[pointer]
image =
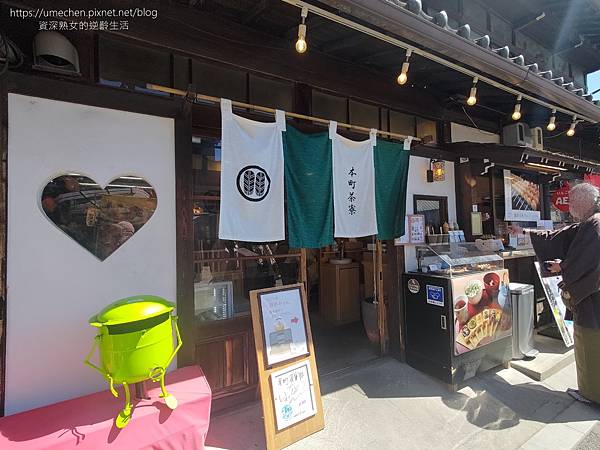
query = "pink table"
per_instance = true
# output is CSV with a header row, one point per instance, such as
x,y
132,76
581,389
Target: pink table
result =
x,y
87,423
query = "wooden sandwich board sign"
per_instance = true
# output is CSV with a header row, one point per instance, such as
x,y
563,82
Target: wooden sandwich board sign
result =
x,y
287,371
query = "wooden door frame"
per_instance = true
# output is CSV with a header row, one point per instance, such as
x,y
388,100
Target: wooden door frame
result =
x,y
396,323
60,89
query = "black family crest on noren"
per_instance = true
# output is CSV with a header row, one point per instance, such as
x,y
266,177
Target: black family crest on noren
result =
x,y
253,183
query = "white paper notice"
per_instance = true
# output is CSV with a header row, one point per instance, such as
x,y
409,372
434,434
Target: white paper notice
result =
x,y
293,394
283,325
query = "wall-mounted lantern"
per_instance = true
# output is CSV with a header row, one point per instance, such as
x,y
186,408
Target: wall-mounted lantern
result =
x,y
437,171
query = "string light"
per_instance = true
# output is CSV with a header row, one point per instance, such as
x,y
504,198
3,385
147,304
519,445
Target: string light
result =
x,y
301,45
472,99
403,77
552,123
571,131
516,115
473,93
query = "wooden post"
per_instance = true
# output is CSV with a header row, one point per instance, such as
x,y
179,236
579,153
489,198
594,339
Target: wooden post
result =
x,y
303,272
382,310
395,302
185,235
3,235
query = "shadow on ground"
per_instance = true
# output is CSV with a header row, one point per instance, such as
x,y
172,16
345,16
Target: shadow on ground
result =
x,y
402,401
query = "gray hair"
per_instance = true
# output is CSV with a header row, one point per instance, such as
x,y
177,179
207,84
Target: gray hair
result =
x,y
584,198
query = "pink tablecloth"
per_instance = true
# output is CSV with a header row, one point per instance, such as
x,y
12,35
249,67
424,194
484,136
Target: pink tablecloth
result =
x,y
87,423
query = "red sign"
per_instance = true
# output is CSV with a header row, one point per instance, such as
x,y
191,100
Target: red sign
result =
x,y
560,198
592,179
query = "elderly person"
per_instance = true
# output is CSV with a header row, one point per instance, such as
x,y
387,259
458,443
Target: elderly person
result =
x,y
574,251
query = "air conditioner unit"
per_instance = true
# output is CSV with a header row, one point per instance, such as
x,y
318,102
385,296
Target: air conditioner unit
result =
x,y
517,135
537,137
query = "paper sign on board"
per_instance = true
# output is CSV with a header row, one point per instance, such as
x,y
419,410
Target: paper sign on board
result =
x,y
293,394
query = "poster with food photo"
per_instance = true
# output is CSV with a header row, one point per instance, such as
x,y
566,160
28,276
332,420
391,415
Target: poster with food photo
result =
x,y
521,198
482,310
284,325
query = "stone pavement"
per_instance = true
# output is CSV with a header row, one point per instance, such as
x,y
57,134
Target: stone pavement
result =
x,y
386,404
591,441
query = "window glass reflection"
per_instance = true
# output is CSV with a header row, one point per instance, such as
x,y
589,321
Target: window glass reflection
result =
x,y
99,219
226,271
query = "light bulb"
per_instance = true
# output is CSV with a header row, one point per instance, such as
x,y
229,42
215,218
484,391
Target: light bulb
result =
x,y
473,93
301,45
571,131
402,78
552,122
516,115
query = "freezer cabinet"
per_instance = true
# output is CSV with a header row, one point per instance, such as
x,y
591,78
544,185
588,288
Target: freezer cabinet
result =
x,y
457,327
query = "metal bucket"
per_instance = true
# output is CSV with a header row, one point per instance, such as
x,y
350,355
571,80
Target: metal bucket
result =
x,y
135,339
132,352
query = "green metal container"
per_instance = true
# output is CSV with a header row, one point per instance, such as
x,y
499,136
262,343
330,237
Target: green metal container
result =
x,y
135,339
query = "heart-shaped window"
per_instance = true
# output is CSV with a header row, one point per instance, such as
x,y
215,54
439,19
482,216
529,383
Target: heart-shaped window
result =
x,y
100,219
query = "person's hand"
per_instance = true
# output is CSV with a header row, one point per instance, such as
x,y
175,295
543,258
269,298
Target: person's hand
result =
x,y
554,266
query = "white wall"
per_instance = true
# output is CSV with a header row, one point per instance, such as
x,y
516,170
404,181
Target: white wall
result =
x,y
54,284
417,184
461,133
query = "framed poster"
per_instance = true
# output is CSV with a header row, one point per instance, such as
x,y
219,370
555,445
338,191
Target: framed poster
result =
x,y
550,284
293,394
482,310
284,328
416,228
521,198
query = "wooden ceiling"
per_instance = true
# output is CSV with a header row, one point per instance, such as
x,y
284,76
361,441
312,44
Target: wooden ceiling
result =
x,y
570,28
448,86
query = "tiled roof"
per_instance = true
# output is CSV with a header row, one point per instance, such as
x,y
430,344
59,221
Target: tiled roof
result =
x,y
441,19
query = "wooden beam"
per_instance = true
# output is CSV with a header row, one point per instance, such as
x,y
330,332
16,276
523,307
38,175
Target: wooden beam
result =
x,y
312,23
528,20
403,24
252,14
340,44
374,56
216,38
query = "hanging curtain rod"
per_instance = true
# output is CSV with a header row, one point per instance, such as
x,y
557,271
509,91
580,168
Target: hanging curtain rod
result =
x,y
217,100
425,54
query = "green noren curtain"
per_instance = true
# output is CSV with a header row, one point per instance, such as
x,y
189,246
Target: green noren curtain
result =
x,y
309,191
391,175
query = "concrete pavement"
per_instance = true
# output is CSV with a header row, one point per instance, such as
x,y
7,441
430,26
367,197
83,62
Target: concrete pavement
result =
x,y
591,441
388,405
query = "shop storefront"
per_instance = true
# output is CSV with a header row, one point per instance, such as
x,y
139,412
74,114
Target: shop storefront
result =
x,y
158,93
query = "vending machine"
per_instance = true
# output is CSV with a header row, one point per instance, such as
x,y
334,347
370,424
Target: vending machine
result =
x,y
458,312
